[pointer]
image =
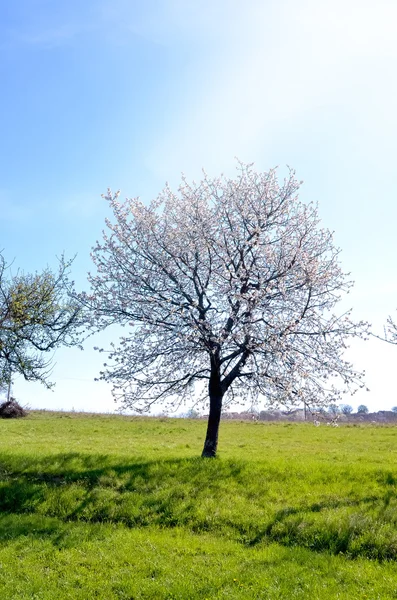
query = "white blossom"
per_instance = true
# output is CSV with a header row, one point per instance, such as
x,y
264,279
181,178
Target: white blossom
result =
x,y
228,282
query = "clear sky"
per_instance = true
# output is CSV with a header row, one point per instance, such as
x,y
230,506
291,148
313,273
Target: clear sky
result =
x,y
128,94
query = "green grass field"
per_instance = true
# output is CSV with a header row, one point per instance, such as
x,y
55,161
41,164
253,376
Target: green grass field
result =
x,y
116,507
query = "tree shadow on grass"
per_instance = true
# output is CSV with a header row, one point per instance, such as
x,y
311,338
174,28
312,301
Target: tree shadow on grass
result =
x,y
97,488
40,495
61,534
89,470
56,490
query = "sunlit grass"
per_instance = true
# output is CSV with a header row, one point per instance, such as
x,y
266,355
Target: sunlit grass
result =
x,y
123,507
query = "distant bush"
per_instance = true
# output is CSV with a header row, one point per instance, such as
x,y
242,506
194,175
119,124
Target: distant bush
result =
x,y
192,414
362,410
11,409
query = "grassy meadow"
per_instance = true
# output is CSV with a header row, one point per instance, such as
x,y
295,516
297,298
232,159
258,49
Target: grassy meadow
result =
x,y
111,507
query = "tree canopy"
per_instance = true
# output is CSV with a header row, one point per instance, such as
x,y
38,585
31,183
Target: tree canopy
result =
x,y
37,314
227,285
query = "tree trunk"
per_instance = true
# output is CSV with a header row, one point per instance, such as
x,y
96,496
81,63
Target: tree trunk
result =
x,y
216,395
211,439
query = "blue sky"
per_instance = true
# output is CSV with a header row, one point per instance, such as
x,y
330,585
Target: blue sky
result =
x,y
129,94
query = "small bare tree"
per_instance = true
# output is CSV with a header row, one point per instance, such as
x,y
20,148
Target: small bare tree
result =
x,y
228,282
391,331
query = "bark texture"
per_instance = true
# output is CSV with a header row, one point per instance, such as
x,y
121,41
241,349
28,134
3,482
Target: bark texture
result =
x,y
211,438
216,396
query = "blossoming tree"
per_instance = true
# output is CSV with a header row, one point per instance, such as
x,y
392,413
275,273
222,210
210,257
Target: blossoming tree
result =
x,y
228,288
